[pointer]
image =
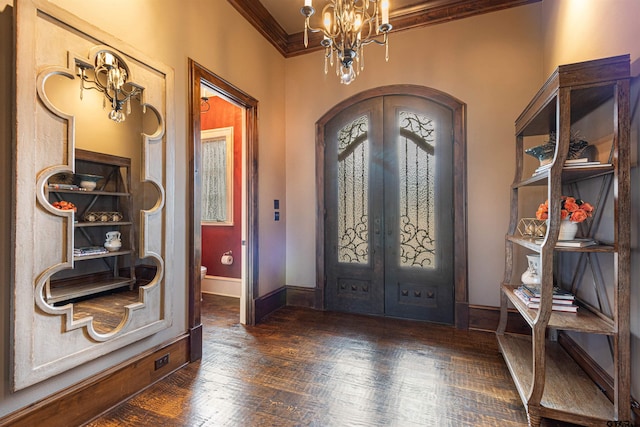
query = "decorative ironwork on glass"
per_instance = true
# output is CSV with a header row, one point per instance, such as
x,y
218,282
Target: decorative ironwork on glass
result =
x,y
353,192
416,155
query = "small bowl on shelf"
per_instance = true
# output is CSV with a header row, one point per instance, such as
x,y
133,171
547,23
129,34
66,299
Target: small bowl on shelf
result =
x,y
88,181
544,153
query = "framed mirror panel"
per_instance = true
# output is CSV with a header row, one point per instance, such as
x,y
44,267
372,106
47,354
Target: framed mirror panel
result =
x,y
92,220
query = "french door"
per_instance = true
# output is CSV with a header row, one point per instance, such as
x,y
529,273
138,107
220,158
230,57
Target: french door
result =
x,y
388,189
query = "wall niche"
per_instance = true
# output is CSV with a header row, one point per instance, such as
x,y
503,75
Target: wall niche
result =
x,y
88,110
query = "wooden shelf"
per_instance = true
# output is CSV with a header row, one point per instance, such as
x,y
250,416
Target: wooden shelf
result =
x,y
539,117
101,224
549,381
569,175
70,289
569,394
104,255
583,321
90,193
113,269
530,243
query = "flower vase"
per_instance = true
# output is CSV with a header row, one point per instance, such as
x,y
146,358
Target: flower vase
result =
x,y
531,276
568,230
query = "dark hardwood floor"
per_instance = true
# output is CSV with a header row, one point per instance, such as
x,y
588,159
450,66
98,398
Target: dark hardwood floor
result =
x,y
107,309
309,368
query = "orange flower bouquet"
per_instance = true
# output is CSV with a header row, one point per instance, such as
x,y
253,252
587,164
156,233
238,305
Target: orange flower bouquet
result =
x,y
572,209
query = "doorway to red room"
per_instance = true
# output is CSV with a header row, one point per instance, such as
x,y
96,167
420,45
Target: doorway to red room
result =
x,y
223,131
221,177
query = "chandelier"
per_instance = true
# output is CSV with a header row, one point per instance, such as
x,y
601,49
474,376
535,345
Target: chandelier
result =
x,y
349,25
110,75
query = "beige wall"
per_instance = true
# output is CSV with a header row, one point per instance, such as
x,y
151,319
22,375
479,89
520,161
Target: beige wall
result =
x,y
579,30
491,62
216,36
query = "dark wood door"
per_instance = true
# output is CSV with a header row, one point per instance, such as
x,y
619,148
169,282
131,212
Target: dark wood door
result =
x,y
389,209
418,209
354,200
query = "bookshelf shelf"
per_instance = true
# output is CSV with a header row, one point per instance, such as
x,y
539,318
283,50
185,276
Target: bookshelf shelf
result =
x,y
545,366
96,272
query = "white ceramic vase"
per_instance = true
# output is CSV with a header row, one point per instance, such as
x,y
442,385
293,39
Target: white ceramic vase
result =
x,y
113,242
568,230
531,276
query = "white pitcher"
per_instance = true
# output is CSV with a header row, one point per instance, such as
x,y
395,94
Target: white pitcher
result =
x,y
113,242
532,275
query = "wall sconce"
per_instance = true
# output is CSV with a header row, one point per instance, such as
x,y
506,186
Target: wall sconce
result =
x,y
110,75
204,104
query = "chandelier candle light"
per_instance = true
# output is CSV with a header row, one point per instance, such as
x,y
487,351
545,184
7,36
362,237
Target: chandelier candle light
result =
x,y
349,25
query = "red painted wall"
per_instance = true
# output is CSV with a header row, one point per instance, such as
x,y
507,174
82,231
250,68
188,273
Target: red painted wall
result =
x,y
216,240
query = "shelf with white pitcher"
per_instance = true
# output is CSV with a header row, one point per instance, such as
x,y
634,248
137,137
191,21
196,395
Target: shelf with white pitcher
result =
x,y
104,234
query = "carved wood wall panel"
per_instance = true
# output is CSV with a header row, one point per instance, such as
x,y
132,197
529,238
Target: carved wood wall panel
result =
x,y
47,338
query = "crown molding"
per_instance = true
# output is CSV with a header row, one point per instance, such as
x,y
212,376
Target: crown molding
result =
x,y
258,16
418,15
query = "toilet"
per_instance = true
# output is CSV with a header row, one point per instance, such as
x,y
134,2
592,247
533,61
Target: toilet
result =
x,y
203,273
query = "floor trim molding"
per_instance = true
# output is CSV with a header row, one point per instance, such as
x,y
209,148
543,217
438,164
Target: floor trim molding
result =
x,y
478,317
270,302
300,296
78,404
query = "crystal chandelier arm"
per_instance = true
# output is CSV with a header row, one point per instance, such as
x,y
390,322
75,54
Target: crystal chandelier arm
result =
x,y
86,83
345,33
385,38
109,93
338,25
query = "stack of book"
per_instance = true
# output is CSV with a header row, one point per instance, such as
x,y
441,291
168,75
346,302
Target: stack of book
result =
x,y
575,243
573,164
65,187
562,300
89,250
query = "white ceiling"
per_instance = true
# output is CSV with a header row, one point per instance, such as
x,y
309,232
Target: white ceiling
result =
x,y
287,12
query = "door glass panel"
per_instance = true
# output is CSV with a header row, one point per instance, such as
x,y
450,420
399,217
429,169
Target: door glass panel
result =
x,y
353,190
417,166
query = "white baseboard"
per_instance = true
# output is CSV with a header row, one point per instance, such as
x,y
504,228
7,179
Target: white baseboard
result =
x,y
225,286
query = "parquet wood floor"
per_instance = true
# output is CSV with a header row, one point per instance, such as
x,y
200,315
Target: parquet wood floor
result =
x,y
309,368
